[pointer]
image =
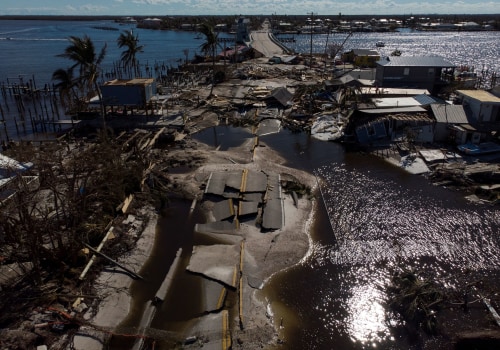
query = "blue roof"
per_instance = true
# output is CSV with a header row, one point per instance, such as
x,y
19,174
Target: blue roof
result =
x,y
424,99
415,61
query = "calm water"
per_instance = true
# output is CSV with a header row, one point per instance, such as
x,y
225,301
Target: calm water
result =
x,y
30,48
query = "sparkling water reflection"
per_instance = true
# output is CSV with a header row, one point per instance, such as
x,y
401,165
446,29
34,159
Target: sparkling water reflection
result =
x,y
375,219
474,49
379,224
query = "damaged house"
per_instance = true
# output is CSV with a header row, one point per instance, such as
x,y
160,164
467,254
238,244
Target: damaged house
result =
x,y
484,107
362,57
476,119
452,125
391,124
422,72
128,93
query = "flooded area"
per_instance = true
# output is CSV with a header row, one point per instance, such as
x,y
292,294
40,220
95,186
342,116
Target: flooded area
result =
x,y
372,218
174,231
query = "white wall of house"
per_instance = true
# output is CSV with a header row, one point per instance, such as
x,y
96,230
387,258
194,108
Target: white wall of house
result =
x,y
484,112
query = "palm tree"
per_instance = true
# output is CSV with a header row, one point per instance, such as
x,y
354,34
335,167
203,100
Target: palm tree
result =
x,y
66,84
209,46
82,52
416,299
130,41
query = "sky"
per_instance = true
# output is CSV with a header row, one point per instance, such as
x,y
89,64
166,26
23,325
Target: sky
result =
x,y
245,7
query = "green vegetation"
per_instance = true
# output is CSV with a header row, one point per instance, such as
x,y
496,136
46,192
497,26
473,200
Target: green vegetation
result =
x,y
130,41
82,53
209,46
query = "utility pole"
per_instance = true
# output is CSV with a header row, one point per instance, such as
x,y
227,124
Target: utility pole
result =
x,y
311,41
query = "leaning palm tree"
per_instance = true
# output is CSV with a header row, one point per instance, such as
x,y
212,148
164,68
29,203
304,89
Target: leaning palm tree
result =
x,y
209,46
82,52
130,41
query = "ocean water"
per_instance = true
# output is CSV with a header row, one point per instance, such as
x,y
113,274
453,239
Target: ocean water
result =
x,y
480,50
30,47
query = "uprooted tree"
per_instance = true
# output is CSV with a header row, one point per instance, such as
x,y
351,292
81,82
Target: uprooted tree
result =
x,y
416,300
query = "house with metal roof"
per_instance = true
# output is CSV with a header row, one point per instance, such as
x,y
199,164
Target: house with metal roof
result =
x,y
484,106
452,124
362,57
420,72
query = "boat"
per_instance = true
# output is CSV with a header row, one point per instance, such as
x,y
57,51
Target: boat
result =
x,y
478,149
105,28
380,44
466,78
